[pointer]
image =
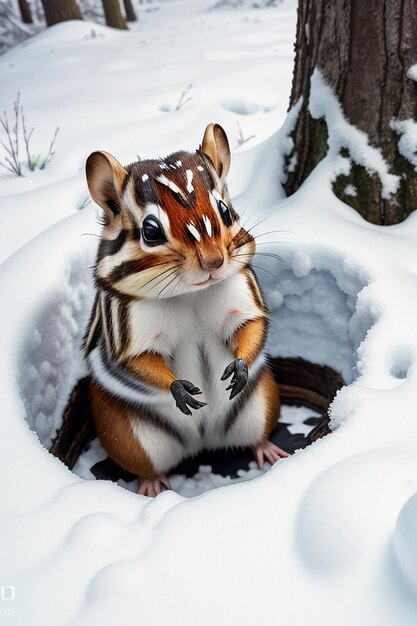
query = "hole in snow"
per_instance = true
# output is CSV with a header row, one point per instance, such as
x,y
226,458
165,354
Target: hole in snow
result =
x,y
402,362
241,106
314,315
166,108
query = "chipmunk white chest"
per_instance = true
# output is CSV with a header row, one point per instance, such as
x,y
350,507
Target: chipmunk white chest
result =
x,y
193,332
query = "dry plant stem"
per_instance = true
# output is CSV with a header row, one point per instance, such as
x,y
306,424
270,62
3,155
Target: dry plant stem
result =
x,y
50,154
13,163
182,100
241,139
27,137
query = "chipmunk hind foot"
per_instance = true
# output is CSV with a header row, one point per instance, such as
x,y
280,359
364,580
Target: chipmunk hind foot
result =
x,y
153,486
269,451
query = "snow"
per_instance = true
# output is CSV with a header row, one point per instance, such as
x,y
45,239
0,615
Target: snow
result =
x,y
405,544
286,141
326,536
350,190
324,104
407,144
412,72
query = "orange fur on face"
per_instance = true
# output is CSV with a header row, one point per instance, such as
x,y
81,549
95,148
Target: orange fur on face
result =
x,y
180,216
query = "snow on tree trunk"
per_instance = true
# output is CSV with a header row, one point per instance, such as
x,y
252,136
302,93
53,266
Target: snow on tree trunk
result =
x,y
113,14
60,11
364,51
130,11
25,12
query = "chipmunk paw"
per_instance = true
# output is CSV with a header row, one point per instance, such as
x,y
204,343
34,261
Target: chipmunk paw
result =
x,y
153,486
269,451
238,369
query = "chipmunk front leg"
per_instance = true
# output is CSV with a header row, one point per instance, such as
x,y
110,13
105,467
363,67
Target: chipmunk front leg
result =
x,y
249,340
152,369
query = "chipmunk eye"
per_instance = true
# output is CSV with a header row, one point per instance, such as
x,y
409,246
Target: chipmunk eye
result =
x,y
225,213
152,232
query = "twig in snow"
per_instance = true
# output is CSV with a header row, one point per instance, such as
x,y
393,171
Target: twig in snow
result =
x,y
182,99
84,203
241,140
26,137
12,149
50,154
12,159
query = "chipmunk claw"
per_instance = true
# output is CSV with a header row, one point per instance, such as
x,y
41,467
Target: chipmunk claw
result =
x,y
238,369
181,390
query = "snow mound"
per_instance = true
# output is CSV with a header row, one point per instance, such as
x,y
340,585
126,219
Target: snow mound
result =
x,y
345,511
405,540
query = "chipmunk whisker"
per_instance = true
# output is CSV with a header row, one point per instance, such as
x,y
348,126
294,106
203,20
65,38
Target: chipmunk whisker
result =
x,y
168,271
259,267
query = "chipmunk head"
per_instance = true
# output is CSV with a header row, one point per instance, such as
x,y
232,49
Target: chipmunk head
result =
x,y
169,225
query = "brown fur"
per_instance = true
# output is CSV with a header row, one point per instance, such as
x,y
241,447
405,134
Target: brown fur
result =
x,y
273,401
151,368
111,419
249,339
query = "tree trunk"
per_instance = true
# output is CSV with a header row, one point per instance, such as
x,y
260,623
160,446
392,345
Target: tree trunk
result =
x,y
60,11
364,50
113,14
25,12
130,11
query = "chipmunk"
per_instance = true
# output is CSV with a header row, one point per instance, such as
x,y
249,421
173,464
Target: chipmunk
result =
x,y
177,310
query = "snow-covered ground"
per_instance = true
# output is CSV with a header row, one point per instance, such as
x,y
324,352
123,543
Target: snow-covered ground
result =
x,y
325,537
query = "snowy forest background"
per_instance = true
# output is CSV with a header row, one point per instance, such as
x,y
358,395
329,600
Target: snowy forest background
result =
x,y
20,19
324,161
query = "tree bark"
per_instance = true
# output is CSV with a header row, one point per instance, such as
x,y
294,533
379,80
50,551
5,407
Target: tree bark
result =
x,y
113,14
60,11
364,50
25,12
130,11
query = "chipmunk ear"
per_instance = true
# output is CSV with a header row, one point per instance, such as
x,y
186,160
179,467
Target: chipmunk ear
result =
x,y
105,178
216,146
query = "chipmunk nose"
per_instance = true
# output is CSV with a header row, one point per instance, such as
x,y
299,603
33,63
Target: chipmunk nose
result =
x,y
210,259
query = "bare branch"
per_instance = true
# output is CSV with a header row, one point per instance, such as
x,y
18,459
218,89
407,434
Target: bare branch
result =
x,y
13,148
7,168
27,137
182,100
11,143
50,153
241,140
